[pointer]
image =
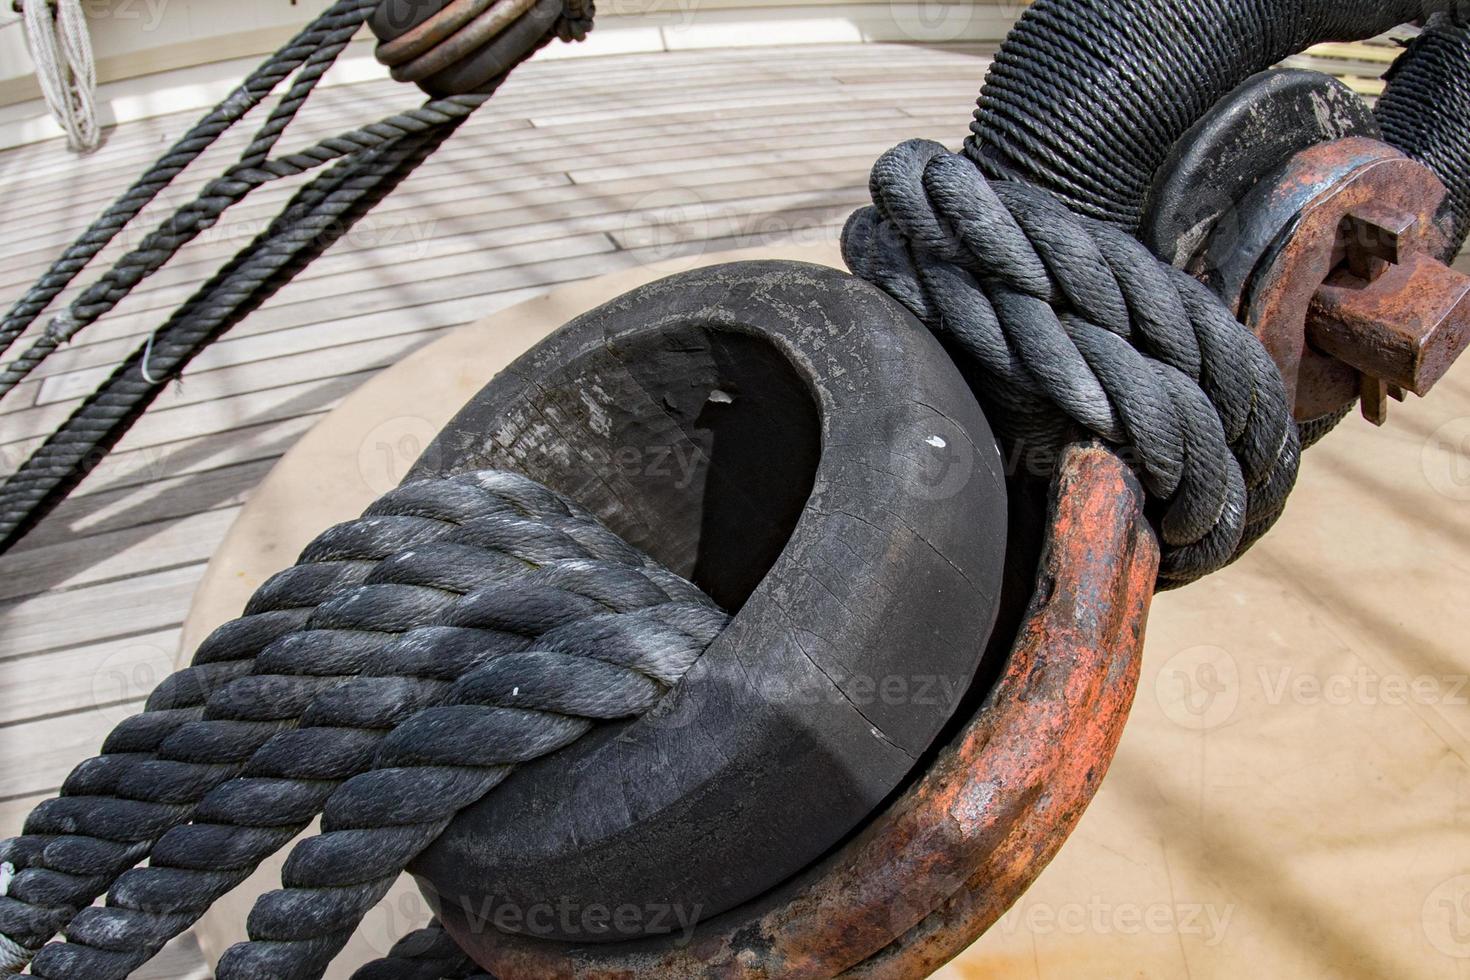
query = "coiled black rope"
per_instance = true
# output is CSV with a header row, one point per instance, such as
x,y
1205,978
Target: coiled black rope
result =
x,y
1425,111
1087,97
76,843
507,620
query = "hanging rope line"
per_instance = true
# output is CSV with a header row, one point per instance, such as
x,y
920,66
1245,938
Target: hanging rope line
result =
x,y
372,160
321,41
56,35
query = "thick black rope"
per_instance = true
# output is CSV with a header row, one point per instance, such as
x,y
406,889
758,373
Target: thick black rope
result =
x,y
377,158
76,844
1064,319
201,214
529,598
315,47
1425,111
319,214
1018,253
1087,97
516,708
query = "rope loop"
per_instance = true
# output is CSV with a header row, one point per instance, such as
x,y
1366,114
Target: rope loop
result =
x,y
1066,319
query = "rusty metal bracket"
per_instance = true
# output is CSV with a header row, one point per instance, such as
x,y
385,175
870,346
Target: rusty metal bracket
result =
x,y
1336,264
944,862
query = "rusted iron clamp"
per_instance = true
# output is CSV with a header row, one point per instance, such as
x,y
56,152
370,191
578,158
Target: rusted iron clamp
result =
x,y
467,46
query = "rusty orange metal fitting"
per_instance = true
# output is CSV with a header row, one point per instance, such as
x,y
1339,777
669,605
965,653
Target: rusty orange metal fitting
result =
x,y
933,871
1347,286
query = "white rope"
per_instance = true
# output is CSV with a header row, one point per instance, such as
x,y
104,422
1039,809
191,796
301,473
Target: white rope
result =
x,y
56,32
13,956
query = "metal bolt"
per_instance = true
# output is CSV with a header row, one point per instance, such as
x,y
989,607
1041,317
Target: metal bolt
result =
x,y
1396,314
1373,237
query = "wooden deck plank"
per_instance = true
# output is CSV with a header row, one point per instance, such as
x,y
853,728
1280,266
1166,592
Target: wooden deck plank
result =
x,y
37,755
114,555
527,161
58,620
567,210
99,675
120,508
668,85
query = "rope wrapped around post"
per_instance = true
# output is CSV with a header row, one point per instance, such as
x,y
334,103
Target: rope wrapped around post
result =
x,y
1018,252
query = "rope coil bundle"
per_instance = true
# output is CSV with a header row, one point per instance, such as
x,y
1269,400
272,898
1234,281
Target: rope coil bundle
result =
x,y
1019,252
56,34
1072,319
391,678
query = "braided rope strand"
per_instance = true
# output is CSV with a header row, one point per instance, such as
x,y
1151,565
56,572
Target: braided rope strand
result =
x,y
77,843
328,32
322,697
1068,320
320,213
204,211
429,953
362,680
516,708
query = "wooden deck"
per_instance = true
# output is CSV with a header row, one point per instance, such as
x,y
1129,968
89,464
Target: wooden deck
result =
x,y
578,167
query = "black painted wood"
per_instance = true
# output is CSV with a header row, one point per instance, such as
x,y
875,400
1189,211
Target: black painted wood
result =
x,y
791,439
